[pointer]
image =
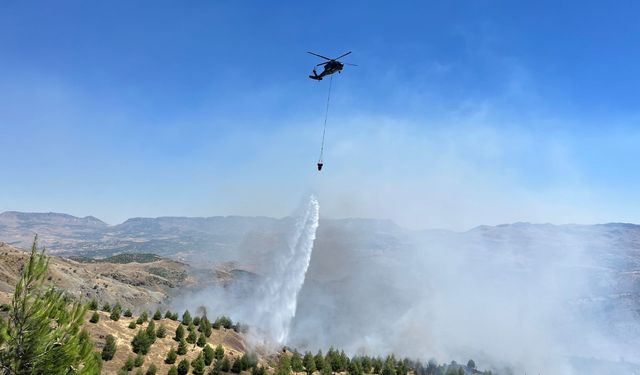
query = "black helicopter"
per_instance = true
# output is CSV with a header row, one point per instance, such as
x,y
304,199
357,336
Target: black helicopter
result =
x,y
330,66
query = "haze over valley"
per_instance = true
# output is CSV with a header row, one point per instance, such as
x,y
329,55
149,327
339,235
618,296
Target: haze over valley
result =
x,y
566,294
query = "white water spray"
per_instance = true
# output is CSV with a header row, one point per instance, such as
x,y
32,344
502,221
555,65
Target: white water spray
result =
x,y
280,290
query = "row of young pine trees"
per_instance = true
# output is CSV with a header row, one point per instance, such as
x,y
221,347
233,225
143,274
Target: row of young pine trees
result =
x,y
41,332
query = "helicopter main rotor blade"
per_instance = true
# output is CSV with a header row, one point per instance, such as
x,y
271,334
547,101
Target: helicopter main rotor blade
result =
x,y
342,55
350,64
324,63
315,54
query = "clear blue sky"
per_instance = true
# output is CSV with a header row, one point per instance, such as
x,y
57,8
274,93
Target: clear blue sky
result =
x,y
459,113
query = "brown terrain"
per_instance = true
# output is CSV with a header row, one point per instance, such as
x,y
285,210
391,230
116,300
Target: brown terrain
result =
x,y
232,342
138,286
135,285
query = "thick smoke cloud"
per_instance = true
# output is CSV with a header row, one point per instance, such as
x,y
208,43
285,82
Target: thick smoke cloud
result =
x,y
515,298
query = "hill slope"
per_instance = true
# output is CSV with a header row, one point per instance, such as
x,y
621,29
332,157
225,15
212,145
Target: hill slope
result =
x,y
133,284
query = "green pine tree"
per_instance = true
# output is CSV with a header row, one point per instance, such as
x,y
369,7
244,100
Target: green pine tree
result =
x,y
141,342
138,361
173,371
127,313
319,358
225,366
284,367
198,365
93,305
208,354
219,352
186,318
129,363
28,345
296,362
161,332
179,333
309,363
116,311
151,331
151,370
182,347
183,367
95,317
171,356
132,325
157,315
191,337
202,340
109,349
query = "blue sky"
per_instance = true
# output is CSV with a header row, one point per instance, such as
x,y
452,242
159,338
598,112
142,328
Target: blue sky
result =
x,y
460,112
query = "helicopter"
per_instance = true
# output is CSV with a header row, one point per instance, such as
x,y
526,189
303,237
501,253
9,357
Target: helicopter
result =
x,y
330,66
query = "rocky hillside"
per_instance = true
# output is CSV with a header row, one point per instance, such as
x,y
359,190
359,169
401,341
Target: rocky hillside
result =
x,y
133,284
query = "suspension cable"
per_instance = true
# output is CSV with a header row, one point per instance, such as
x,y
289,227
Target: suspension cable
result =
x,y
326,115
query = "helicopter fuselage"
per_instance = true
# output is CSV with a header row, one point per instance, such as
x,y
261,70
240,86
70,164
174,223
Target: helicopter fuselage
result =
x,y
329,68
332,67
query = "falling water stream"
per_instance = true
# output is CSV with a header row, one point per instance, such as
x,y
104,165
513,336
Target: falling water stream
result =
x,y
280,290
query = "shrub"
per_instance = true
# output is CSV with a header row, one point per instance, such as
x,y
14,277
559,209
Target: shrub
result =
x,y
236,367
284,367
182,347
109,349
174,317
309,363
106,307
151,331
225,366
127,313
198,365
219,352
179,333
171,356
319,358
186,318
151,370
93,305
157,315
173,371
183,367
196,321
143,317
202,341
128,365
115,312
191,337
141,342
132,325
208,354
296,363
205,326
138,361
167,315
222,321
161,332
95,317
